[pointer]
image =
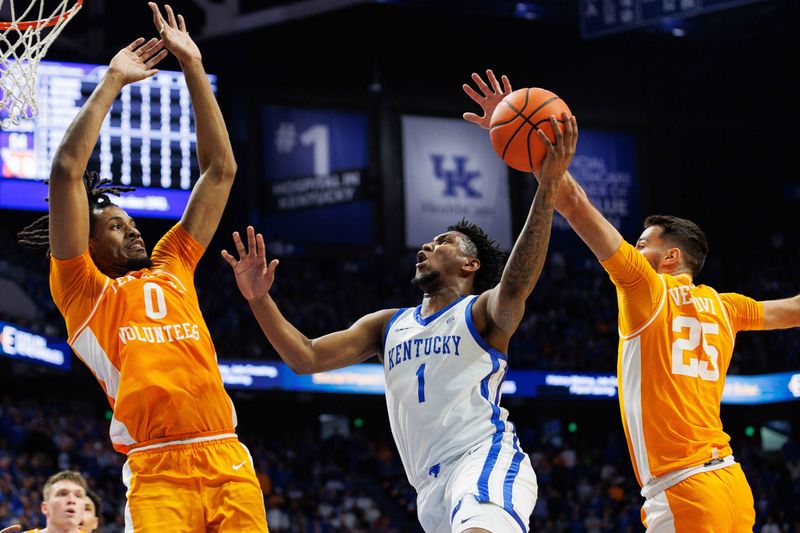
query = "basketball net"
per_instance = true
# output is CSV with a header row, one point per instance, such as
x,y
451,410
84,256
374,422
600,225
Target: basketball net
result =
x,y
24,40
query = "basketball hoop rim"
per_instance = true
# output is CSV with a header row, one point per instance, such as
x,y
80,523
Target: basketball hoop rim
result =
x,y
44,23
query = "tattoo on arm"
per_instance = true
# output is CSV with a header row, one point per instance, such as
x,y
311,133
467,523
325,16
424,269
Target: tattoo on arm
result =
x,y
527,258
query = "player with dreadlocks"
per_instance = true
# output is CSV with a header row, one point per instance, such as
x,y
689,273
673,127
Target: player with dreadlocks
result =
x,y
444,361
134,319
37,234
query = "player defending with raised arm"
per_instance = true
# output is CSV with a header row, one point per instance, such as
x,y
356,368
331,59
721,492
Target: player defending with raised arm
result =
x,y
676,342
444,362
135,321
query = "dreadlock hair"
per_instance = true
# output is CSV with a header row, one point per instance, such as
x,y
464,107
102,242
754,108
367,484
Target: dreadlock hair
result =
x,y
486,250
686,235
37,234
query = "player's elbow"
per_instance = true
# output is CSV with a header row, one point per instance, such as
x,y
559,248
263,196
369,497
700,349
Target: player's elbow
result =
x,y
65,168
302,367
302,370
222,169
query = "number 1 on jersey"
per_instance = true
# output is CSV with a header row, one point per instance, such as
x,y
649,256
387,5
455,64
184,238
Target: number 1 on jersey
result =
x,y
421,382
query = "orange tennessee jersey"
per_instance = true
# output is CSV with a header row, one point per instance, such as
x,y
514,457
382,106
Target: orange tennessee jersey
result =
x,y
676,342
144,338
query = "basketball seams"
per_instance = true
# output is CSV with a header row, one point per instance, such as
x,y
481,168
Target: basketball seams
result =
x,y
505,133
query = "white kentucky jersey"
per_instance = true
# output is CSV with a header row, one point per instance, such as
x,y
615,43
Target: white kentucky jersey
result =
x,y
443,385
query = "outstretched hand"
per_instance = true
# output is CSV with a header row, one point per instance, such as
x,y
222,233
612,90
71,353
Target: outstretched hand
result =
x,y
253,276
558,156
173,32
491,97
135,62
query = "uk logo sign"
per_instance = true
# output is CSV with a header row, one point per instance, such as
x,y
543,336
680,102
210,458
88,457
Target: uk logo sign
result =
x,y
455,176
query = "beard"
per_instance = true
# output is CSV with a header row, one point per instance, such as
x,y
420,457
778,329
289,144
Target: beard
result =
x,y
427,282
138,263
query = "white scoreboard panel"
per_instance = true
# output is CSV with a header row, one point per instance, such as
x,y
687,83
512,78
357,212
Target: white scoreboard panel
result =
x,y
147,140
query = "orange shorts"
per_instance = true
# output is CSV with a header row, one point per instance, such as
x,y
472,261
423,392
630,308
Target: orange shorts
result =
x,y
719,501
193,487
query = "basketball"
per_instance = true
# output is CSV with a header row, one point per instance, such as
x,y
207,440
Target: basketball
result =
x,y
514,124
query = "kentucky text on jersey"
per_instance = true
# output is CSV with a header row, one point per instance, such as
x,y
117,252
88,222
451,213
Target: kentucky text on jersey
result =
x,y
414,348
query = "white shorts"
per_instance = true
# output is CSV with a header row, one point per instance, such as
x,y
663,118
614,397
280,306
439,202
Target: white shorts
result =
x,y
492,487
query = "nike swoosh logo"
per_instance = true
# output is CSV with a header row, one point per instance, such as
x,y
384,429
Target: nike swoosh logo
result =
x,y
237,467
468,519
403,329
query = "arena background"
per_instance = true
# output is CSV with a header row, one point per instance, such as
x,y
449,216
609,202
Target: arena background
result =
x,y
709,102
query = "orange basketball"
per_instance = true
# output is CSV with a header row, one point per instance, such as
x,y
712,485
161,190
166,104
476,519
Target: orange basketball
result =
x,y
515,121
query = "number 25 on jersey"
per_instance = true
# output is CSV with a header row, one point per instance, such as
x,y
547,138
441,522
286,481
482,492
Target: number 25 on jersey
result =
x,y
687,364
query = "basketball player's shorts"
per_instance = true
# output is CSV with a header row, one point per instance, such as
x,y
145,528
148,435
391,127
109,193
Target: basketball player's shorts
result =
x,y
195,485
719,501
491,487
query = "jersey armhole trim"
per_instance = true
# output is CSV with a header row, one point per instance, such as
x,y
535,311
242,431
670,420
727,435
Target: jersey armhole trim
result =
x,y
477,336
652,317
724,314
389,325
78,331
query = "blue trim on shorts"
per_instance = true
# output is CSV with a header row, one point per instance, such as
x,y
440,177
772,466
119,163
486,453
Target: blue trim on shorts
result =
x,y
497,438
455,510
508,485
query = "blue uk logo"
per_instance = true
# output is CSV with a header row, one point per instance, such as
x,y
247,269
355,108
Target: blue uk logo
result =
x,y
455,178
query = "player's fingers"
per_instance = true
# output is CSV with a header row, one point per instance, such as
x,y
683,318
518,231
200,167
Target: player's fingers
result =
x,y
568,133
480,83
135,44
506,84
146,47
272,267
158,20
493,80
151,48
574,121
472,117
474,95
170,16
260,248
547,144
251,239
237,241
181,23
557,133
228,258
156,59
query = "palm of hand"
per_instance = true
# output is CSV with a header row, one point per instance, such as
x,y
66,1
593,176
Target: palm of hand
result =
x,y
488,106
130,64
252,277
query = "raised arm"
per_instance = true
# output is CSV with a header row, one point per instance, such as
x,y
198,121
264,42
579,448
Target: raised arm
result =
x,y
214,151
69,205
599,234
504,305
254,277
782,314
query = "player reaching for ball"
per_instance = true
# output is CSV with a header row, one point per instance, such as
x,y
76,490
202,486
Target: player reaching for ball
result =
x,y
444,361
135,321
676,342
